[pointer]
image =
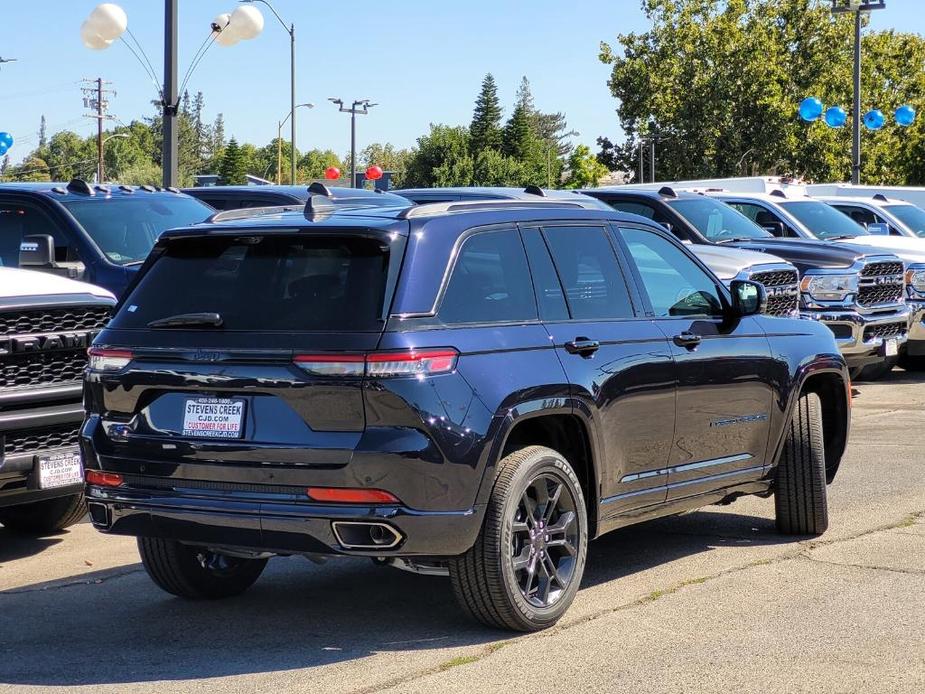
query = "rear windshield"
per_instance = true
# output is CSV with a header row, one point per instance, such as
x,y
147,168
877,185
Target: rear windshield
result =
x,y
126,228
265,283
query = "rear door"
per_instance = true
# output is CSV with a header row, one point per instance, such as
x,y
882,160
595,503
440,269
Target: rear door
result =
x,y
618,362
725,370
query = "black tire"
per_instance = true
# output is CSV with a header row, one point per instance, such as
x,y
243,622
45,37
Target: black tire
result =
x,y
195,572
48,516
874,372
912,363
800,501
487,581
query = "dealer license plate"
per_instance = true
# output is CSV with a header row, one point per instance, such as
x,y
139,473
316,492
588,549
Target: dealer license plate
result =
x,y
60,469
890,348
213,418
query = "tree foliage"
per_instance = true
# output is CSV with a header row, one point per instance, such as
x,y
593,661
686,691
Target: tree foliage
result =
x,y
719,81
584,170
234,165
485,129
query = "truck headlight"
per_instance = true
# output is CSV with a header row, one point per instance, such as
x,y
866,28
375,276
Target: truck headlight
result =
x,y
915,278
829,287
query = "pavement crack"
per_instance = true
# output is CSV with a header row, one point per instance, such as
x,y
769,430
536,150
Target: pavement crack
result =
x,y
869,567
70,584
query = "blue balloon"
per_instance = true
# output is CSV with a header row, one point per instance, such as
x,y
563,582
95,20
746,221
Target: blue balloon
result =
x,y
874,120
810,109
835,117
905,116
6,139
3,148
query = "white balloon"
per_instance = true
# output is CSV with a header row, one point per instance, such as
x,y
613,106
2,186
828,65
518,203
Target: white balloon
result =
x,y
221,21
226,38
91,39
109,20
247,21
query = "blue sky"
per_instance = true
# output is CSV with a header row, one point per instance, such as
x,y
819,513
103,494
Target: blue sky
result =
x,y
422,60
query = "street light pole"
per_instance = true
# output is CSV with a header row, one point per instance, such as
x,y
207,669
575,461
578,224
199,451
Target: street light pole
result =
x,y
290,29
353,111
169,118
279,144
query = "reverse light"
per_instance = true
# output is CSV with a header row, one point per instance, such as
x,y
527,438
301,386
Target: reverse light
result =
x,y
424,362
350,495
829,287
108,360
99,478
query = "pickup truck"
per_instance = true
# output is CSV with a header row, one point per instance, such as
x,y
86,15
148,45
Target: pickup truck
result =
x,y
46,325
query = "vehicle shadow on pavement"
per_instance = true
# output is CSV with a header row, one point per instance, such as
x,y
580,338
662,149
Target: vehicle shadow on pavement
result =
x,y
299,615
15,546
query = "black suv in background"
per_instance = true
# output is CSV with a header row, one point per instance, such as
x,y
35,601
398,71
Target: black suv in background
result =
x,y
857,292
244,197
476,388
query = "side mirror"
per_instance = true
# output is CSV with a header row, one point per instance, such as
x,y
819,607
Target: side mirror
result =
x,y
776,228
748,298
878,229
37,250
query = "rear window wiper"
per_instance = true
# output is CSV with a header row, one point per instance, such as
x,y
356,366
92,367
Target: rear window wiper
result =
x,y
189,320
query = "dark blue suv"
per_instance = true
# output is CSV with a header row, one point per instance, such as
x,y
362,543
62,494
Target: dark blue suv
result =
x,y
469,388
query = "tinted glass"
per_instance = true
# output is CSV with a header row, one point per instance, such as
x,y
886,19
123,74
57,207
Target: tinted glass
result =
x,y
717,221
490,281
266,283
17,221
910,215
858,214
823,221
126,228
633,208
594,285
675,284
545,280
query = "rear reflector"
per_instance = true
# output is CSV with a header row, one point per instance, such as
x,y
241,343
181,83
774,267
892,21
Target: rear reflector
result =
x,y
424,362
108,359
104,479
346,495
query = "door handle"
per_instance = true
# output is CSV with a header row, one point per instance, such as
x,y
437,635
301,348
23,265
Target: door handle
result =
x,y
582,346
686,339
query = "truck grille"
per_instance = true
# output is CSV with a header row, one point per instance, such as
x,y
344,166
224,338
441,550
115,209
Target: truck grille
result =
x,y
54,320
783,291
881,283
30,440
41,369
888,330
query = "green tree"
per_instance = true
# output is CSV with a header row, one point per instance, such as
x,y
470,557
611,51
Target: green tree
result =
x,y
313,163
387,157
32,168
142,173
441,158
233,167
519,140
485,130
584,170
68,155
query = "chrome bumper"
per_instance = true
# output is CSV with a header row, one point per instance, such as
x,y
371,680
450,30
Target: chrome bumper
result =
x,y
853,344
916,345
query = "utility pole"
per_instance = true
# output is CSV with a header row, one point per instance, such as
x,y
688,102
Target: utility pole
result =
x,y
652,160
169,100
95,99
642,173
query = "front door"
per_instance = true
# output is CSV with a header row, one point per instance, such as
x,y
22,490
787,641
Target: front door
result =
x,y
618,362
724,370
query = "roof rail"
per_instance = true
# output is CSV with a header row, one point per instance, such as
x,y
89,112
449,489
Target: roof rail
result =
x,y
432,208
778,193
245,212
667,191
881,197
535,190
318,188
77,185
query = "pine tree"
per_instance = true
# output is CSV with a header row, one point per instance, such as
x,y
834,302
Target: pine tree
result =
x,y
233,170
519,141
43,133
485,129
5,166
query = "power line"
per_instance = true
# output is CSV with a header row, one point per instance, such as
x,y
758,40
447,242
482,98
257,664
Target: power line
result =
x,y
95,99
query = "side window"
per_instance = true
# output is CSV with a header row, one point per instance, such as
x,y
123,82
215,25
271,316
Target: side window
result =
x,y
490,281
764,218
639,208
858,214
545,280
216,202
594,285
676,286
17,221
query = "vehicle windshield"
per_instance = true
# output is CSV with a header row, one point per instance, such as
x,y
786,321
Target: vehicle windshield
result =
x,y
126,228
264,283
823,221
910,215
717,221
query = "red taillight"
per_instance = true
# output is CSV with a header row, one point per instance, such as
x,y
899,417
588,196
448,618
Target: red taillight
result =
x,y
104,479
102,359
346,495
424,362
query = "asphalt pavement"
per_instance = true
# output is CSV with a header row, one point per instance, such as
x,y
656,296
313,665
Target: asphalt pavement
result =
x,y
709,601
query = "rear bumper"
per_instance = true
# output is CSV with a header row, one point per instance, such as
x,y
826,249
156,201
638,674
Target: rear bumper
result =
x,y
856,333
284,526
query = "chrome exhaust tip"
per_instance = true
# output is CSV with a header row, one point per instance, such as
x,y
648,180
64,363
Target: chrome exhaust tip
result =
x,y
360,535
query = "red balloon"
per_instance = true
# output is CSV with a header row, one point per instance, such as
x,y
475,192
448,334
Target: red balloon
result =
x,y
332,173
374,173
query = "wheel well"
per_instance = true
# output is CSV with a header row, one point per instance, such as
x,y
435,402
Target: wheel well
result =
x,y
568,435
833,395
